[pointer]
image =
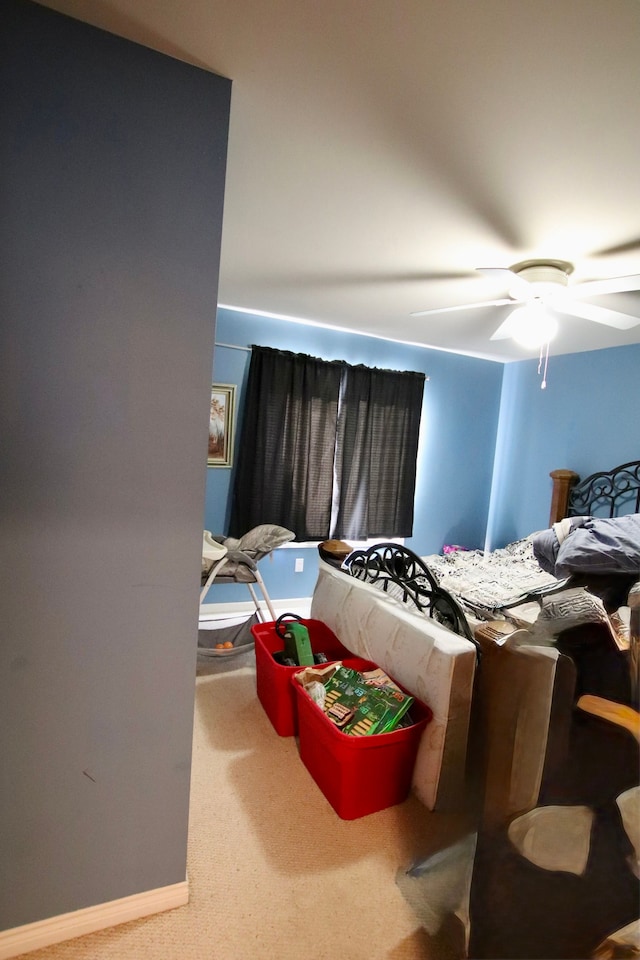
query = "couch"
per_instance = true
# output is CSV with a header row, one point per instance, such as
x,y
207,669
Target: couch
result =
x,y
499,724
432,663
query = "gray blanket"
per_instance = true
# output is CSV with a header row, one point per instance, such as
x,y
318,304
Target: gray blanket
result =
x,y
590,545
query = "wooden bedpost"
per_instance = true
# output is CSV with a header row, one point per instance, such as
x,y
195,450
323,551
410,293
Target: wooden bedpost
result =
x,y
563,480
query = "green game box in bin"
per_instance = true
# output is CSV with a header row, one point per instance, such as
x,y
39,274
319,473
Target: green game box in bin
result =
x,y
365,702
358,774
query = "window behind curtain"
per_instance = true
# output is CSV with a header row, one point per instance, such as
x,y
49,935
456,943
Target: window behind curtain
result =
x,y
327,449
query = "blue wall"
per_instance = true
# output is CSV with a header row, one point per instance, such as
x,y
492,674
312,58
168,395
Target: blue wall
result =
x,y
585,420
490,436
456,451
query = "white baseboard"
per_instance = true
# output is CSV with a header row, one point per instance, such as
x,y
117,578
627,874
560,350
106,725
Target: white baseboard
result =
x,y
300,605
66,926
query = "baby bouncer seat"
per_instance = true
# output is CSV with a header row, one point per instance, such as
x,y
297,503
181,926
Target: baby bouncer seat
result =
x,y
235,560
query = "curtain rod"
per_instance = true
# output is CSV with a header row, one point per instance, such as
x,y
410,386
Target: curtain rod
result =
x,y
232,346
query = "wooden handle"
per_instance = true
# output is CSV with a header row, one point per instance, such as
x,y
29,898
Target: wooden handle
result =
x,y
617,713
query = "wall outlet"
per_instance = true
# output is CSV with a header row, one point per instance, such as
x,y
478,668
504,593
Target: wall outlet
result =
x,y
299,567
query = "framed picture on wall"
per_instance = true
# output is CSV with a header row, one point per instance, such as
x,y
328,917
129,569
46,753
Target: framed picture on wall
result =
x,y
221,424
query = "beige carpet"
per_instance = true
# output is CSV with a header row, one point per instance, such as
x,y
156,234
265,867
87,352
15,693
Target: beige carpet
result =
x,y
273,871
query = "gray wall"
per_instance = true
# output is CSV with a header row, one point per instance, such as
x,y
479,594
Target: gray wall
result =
x,y
112,161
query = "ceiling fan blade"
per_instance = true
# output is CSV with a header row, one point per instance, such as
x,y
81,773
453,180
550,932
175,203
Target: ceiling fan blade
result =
x,y
464,306
593,288
610,318
520,287
355,278
627,246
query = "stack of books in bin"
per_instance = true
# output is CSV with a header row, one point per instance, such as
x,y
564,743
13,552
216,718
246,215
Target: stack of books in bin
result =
x,y
360,703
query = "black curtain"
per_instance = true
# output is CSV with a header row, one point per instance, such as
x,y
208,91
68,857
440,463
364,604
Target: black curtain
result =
x,y
376,451
286,450
327,449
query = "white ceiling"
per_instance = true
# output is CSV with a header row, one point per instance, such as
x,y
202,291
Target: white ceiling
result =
x,y
381,150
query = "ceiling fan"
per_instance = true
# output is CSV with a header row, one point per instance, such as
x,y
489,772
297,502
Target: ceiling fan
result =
x,y
540,288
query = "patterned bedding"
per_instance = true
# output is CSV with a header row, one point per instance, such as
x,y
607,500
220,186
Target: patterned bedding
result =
x,y
486,582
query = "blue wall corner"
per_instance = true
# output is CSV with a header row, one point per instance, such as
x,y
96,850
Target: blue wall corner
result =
x,y
585,420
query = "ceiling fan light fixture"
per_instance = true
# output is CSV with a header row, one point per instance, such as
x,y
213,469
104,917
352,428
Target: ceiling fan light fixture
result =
x,y
543,278
531,326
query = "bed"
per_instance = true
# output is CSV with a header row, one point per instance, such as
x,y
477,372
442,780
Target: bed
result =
x,y
507,583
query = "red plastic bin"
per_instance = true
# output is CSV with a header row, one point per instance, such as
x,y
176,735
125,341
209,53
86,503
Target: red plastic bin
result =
x,y
358,775
273,680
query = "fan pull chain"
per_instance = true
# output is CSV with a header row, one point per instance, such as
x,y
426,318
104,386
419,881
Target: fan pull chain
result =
x,y
544,348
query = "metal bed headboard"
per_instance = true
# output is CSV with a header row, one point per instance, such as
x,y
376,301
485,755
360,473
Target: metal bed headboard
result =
x,y
607,493
387,563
